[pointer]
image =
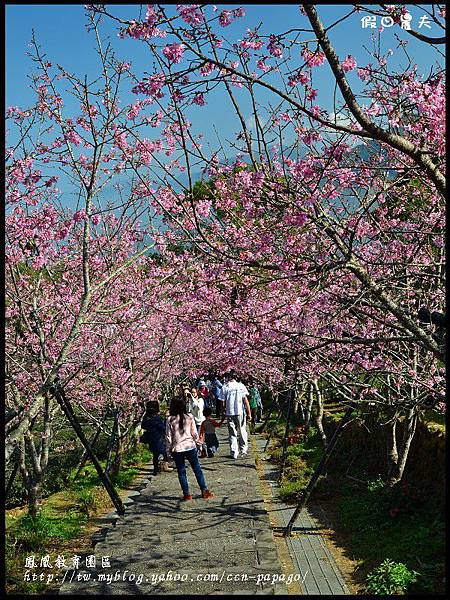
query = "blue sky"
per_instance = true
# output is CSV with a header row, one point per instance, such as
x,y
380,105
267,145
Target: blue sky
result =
x,y
61,32
60,29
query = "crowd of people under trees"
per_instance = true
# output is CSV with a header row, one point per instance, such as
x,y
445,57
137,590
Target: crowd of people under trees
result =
x,y
188,432
323,260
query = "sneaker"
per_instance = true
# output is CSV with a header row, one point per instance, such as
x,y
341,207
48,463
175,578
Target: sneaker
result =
x,y
207,494
186,498
233,457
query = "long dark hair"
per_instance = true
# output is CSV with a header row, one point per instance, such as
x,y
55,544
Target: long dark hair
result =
x,y
178,407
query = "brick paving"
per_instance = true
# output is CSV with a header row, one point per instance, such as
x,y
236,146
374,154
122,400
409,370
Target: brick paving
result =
x,y
220,546
309,553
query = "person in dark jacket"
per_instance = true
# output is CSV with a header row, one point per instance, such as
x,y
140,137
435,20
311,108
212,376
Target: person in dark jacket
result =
x,y
155,430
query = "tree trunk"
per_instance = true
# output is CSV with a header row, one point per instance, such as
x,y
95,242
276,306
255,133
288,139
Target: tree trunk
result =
x,y
319,413
85,455
35,498
391,447
280,412
308,409
31,488
112,444
299,401
319,469
118,456
273,404
290,398
34,475
68,411
14,472
133,438
408,434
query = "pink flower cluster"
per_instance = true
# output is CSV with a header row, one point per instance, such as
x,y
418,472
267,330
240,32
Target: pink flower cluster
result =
x,y
263,66
252,41
142,31
18,115
122,67
226,17
274,48
199,99
313,59
190,13
364,73
151,86
298,77
207,69
174,52
73,137
349,64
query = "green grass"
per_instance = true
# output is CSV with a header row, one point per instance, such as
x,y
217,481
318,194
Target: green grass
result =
x,y
31,533
388,524
89,478
301,460
371,521
63,516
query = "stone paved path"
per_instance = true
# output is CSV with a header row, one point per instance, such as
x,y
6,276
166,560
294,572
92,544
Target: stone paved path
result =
x,y
308,551
220,546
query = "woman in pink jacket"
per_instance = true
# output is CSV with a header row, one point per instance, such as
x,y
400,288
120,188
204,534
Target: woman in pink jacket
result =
x,y
181,442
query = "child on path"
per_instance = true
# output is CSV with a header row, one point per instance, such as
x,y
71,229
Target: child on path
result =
x,y
181,441
208,433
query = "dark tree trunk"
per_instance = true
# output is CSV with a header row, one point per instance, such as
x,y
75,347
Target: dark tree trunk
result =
x,y
68,411
269,413
290,398
85,454
34,475
14,472
35,498
118,456
112,444
319,470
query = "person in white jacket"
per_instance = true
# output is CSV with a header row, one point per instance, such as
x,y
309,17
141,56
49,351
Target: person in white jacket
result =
x,y
235,397
196,406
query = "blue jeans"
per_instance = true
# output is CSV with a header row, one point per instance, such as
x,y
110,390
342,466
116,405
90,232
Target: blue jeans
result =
x,y
192,457
212,444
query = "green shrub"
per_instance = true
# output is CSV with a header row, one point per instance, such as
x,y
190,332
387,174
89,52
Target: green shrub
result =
x,y
290,490
91,500
390,578
86,500
138,454
125,477
376,484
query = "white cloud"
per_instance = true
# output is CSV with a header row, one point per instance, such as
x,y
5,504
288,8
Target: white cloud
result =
x,y
251,122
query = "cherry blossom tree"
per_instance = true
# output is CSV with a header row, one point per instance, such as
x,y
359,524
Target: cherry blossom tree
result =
x,y
302,255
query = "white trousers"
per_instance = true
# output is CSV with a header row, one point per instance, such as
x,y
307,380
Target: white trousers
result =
x,y
237,431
